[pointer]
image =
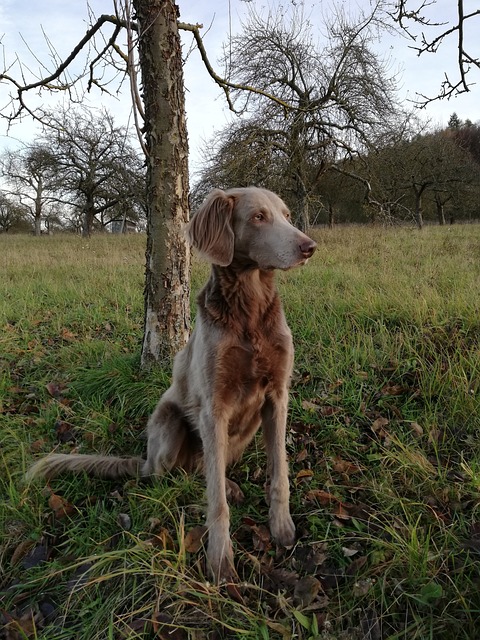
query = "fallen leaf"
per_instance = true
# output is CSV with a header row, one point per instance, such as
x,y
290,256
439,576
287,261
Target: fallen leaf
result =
x,y
306,590
309,406
194,539
60,507
21,551
379,424
416,428
394,390
321,496
344,466
348,553
303,455
304,474
261,538
362,587
124,521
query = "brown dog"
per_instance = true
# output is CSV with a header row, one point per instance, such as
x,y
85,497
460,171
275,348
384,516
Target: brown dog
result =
x,y
233,374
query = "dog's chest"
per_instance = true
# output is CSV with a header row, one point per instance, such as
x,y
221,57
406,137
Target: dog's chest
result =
x,y
250,368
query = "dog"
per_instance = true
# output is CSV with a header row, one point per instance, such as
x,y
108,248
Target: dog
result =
x,y
232,376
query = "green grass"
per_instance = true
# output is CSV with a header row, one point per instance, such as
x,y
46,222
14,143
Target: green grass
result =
x,y
383,441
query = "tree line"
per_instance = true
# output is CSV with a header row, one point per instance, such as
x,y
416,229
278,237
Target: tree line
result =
x,y
407,178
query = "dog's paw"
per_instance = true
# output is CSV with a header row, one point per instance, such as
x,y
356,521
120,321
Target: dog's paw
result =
x,y
282,529
221,566
234,494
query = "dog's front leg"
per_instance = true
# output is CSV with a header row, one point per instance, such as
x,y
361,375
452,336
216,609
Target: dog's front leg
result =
x,y
214,435
274,418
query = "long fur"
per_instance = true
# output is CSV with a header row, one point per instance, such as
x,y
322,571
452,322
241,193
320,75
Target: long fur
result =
x,y
233,375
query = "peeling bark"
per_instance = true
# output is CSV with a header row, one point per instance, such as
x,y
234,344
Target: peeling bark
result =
x,y
167,305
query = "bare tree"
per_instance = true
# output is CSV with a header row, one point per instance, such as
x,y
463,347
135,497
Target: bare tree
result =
x,y
419,20
31,180
331,101
96,168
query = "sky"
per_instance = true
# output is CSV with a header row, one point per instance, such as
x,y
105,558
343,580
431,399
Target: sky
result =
x,y
57,26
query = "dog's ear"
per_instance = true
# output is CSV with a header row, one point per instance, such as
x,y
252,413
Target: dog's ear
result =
x,y
210,229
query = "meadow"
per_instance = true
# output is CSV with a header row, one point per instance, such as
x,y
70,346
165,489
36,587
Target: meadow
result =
x,y
383,439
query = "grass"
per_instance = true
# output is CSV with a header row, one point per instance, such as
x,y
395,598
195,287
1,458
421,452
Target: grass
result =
x,y
383,443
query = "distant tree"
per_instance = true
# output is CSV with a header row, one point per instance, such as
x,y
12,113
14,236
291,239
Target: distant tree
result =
x,y
31,180
454,122
96,167
12,216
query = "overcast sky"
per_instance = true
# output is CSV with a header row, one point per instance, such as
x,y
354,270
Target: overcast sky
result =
x,y
22,21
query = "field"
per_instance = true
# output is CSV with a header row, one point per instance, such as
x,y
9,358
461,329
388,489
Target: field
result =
x,y
383,442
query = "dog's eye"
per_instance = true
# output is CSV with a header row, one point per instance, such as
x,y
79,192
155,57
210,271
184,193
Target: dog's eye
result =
x,y
287,215
258,217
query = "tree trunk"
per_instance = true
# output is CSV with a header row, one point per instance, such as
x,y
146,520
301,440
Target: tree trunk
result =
x,y
167,304
331,216
440,213
418,211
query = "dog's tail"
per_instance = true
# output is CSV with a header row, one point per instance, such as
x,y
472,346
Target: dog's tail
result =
x,y
97,466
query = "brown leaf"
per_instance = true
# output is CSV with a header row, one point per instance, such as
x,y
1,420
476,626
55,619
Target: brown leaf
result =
x,y
67,335
61,507
194,539
328,410
417,429
21,551
261,538
379,424
37,446
321,496
394,390
355,566
303,455
64,431
55,389
304,474
344,466
306,590
309,406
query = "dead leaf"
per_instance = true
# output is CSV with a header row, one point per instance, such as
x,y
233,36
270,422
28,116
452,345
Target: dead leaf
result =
x,y
61,508
329,410
304,475
417,429
321,496
65,432
394,390
348,553
309,406
345,466
40,553
303,455
261,538
21,551
379,424
355,566
67,335
37,446
124,521
306,590
194,539
362,587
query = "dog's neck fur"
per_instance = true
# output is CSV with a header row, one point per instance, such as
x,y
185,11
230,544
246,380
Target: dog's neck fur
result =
x,y
244,299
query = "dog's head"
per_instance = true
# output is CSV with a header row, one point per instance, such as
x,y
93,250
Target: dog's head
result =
x,y
248,227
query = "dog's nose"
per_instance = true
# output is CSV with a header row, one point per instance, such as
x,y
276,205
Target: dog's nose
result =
x,y
308,247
